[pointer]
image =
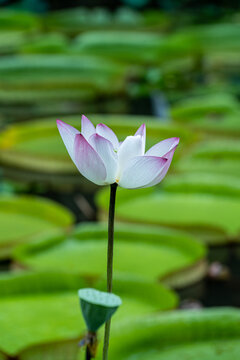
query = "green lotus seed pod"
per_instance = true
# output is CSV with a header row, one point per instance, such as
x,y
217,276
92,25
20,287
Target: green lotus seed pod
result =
x,y
97,307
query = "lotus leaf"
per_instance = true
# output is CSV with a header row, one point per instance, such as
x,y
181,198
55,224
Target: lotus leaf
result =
x,y
120,45
212,218
211,334
72,21
33,219
215,156
219,184
205,105
145,252
16,20
58,76
40,308
52,43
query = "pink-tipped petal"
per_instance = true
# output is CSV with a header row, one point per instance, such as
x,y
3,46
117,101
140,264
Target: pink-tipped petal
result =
x,y
108,134
88,161
130,148
164,171
142,132
68,134
163,147
141,171
105,150
87,128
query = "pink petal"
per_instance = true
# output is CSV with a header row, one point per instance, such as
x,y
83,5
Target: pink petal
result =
x,y
142,132
163,147
164,171
87,128
141,170
108,134
88,161
105,150
68,134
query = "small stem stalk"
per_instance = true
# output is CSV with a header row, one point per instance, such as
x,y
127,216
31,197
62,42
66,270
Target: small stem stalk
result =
x,y
110,261
88,354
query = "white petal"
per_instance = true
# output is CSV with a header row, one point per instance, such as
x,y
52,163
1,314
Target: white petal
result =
x,y
164,171
105,150
88,161
130,148
68,134
163,147
87,128
142,132
141,170
108,134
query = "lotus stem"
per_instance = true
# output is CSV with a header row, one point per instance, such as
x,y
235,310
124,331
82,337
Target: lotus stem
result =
x,y
88,353
113,189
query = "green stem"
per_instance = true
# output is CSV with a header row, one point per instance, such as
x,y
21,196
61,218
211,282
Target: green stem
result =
x,y
110,261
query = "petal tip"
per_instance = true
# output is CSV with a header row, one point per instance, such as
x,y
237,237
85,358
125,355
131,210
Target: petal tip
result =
x,y
59,122
101,125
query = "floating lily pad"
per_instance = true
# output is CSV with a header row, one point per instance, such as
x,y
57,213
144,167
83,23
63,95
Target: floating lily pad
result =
x,y
210,334
120,45
36,147
145,252
43,308
28,78
212,218
209,165
25,218
52,43
217,149
18,20
15,27
73,21
224,61
10,41
227,124
54,350
197,106
215,156
209,38
219,184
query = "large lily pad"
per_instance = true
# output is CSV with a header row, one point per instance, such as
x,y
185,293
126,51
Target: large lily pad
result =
x,y
123,45
11,40
219,184
215,156
36,146
18,20
40,308
205,105
209,111
218,125
145,252
210,334
58,77
212,218
209,165
73,21
15,27
25,218
203,39
53,43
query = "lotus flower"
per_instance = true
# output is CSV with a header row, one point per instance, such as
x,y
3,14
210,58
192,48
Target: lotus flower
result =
x,y
102,159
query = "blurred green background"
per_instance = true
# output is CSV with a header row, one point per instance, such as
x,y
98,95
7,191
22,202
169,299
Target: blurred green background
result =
x,y
174,65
